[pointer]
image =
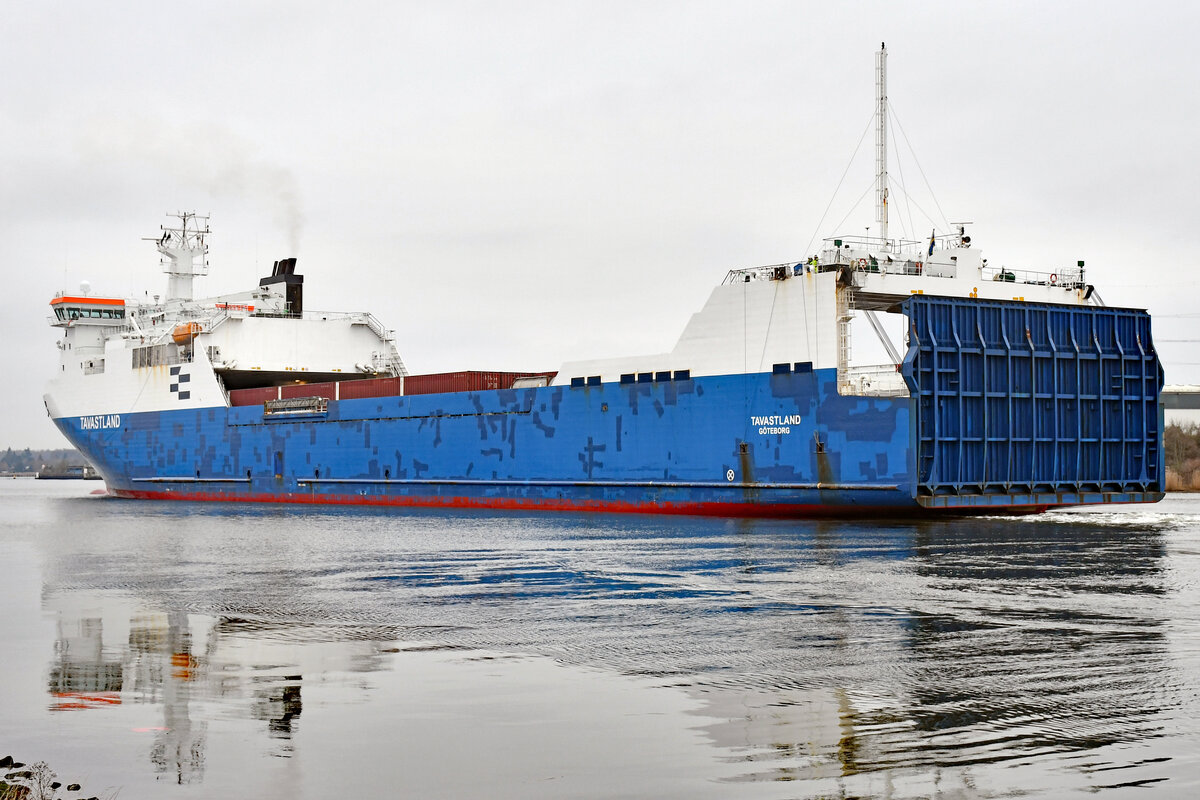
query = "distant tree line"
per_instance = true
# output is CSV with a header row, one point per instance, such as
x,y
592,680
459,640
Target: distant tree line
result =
x,y
1182,449
34,460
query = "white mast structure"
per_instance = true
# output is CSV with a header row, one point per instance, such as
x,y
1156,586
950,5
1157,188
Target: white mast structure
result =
x,y
184,252
881,187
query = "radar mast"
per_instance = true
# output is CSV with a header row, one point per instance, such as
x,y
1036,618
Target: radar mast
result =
x,y
184,252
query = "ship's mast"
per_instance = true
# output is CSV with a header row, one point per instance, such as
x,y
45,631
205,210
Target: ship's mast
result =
x,y
881,187
184,252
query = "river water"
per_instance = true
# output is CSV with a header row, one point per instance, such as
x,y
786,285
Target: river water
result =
x,y
185,650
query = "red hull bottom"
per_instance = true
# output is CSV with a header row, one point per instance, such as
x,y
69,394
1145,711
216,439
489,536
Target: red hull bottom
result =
x,y
701,509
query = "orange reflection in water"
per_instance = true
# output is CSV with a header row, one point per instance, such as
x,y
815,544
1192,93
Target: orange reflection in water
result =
x,y
71,701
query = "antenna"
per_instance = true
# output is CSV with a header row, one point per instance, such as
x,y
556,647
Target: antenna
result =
x,y
881,187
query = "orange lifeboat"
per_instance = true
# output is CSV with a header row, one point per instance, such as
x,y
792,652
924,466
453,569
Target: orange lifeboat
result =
x,y
185,332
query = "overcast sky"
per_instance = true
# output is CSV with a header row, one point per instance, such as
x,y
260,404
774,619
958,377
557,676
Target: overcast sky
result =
x,y
511,185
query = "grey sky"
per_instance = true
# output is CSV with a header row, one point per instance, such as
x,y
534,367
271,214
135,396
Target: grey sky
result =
x,y
510,185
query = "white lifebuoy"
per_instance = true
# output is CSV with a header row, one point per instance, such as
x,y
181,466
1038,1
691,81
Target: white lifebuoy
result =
x,y
1053,278
862,262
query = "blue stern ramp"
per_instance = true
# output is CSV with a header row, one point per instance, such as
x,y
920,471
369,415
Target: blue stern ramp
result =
x,y
1022,404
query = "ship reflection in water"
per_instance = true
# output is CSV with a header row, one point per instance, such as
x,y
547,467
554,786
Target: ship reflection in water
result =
x,y
515,656
168,660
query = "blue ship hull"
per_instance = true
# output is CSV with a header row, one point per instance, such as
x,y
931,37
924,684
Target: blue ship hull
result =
x,y
1013,408
689,446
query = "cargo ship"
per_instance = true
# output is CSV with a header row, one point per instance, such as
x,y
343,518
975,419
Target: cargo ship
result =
x,y
1010,392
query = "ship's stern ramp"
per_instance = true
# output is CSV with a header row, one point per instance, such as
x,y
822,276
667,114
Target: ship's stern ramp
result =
x,y
1032,405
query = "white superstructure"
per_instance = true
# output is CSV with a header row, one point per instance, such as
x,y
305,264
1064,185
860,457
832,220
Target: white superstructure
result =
x,y
122,355
800,312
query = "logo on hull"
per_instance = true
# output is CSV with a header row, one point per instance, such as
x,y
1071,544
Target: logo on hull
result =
x,y
775,423
98,422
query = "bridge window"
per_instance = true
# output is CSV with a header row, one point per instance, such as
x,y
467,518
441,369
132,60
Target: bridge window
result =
x,y
88,313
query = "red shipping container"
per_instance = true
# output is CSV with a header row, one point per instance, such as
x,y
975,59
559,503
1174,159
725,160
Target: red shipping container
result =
x,y
467,381
253,397
371,387
437,382
325,390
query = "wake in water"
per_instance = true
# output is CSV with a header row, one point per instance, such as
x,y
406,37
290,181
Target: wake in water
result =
x,y
1177,511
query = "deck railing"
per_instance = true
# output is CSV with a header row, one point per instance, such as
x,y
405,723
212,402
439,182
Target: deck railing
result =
x,y
1070,277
